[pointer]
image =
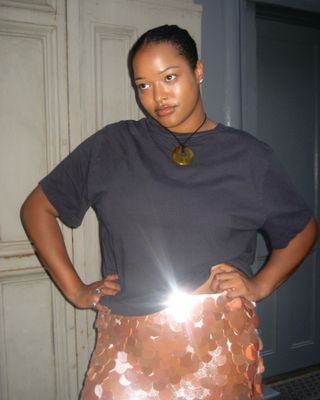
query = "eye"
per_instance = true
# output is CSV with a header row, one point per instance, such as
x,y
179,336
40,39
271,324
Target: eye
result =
x,y
143,86
170,77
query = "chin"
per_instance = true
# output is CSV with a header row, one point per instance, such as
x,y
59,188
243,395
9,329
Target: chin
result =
x,y
167,122
163,121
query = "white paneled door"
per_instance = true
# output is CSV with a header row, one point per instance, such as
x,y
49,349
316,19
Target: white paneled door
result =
x,y
63,75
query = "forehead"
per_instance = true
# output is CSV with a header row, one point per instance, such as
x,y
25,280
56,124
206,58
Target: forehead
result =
x,y
157,57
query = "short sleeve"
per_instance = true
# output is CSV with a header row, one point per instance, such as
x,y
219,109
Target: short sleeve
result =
x,y
66,186
286,212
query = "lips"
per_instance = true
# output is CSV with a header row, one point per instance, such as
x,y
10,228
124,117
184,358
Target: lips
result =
x,y
164,111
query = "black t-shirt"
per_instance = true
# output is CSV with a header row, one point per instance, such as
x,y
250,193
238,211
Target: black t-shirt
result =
x,y
162,226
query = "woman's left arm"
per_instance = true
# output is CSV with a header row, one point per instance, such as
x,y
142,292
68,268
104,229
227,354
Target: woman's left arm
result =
x,y
281,264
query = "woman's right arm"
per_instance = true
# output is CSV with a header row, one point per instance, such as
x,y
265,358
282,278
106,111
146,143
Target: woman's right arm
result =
x,y
39,219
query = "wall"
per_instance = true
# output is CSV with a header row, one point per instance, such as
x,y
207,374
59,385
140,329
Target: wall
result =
x,y
221,55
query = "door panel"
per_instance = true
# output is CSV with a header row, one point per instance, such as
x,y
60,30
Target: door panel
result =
x,y
63,75
17,353
36,349
287,117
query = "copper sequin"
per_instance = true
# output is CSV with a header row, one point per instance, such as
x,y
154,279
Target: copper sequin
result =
x,y
212,353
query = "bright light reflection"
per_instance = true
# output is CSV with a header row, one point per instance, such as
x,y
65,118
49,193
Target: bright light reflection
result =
x,y
179,305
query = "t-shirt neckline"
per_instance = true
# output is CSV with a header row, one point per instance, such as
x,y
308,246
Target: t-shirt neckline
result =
x,y
156,126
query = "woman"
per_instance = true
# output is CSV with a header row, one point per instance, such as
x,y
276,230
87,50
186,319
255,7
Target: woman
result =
x,y
179,199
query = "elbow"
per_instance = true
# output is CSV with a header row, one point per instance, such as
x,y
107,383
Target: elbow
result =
x,y
26,210
312,232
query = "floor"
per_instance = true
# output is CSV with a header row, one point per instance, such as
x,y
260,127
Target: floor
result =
x,y
299,385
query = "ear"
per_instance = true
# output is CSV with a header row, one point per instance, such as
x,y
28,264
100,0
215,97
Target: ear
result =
x,y
198,71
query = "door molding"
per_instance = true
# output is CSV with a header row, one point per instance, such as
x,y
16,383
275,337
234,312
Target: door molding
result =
x,y
294,16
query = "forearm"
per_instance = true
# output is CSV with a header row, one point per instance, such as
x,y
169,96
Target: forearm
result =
x,y
283,262
43,230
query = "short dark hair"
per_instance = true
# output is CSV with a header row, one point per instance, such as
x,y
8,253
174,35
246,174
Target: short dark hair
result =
x,y
178,37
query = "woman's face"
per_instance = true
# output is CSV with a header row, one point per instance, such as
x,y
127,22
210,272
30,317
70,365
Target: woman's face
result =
x,y
168,88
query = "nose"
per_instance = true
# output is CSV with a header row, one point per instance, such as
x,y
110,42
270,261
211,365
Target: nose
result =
x,y
159,92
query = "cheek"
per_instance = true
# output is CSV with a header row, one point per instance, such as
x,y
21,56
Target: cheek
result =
x,y
176,91
185,90
146,102
192,93
141,96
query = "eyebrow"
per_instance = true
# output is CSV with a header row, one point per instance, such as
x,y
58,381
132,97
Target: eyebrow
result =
x,y
160,72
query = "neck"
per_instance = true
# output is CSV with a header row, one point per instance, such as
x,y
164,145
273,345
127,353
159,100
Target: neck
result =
x,y
189,127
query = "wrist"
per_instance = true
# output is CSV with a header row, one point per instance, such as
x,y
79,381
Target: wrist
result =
x,y
262,287
74,292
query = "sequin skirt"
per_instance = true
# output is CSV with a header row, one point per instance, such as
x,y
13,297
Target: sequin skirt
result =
x,y
207,349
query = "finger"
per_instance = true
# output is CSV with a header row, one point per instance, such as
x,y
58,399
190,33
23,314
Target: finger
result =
x,y
222,267
100,307
216,267
219,287
232,282
96,290
110,281
215,270
228,276
102,291
111,277
110,285
234,288
94,305
227,285
97,306
108,292
222,277
233,293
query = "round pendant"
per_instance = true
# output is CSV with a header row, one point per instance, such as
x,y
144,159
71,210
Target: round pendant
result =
x,y
182,155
